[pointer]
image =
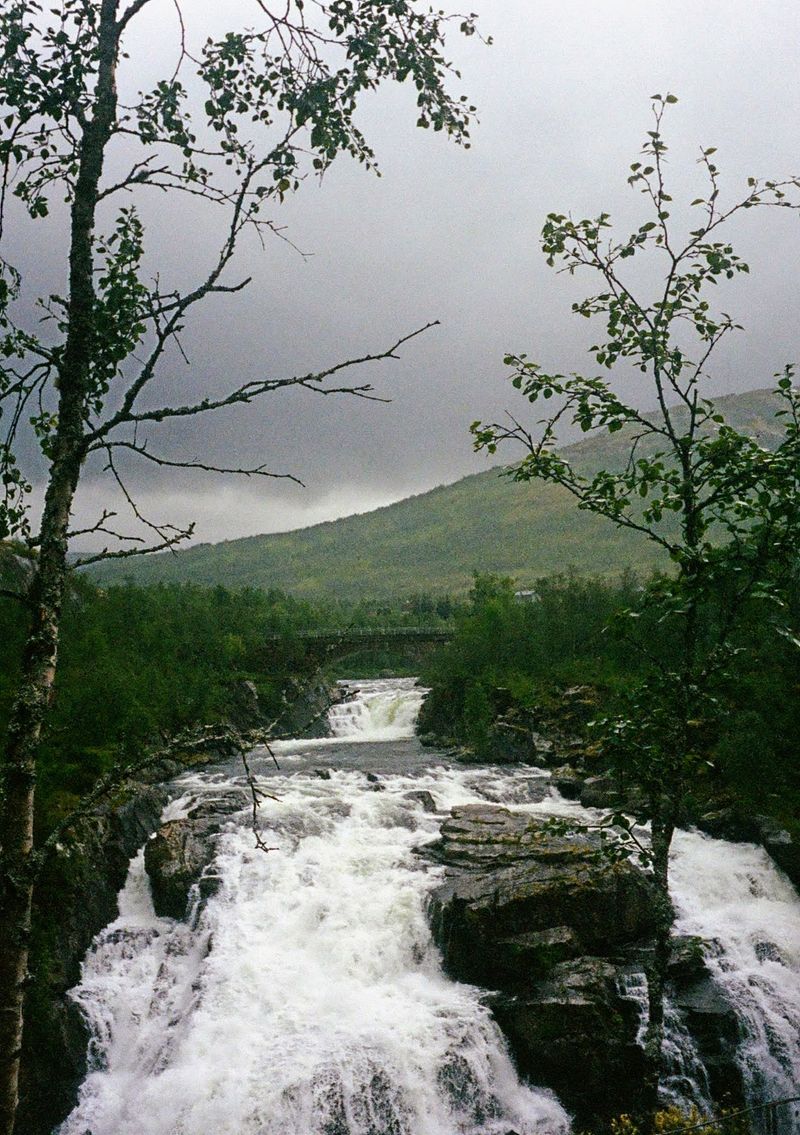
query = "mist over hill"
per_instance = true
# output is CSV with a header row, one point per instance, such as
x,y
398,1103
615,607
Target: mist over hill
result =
x,y
435,541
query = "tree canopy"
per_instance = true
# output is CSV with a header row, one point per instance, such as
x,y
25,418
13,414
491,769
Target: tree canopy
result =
x,y
238,123
734,504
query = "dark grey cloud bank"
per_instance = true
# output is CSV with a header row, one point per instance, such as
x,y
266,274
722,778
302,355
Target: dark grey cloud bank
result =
x,y
453,235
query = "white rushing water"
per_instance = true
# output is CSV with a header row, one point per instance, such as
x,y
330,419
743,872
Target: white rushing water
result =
x,y
733,896
384,709
306,997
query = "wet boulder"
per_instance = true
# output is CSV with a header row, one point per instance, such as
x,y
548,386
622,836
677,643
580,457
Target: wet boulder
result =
x,y
568,782
544,919
600,792
574,1032
729,823
509,875
781,845
713,1024
175,858
424,799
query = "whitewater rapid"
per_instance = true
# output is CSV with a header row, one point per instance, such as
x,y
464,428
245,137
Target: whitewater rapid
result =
x,y
306,997
385,709
746,910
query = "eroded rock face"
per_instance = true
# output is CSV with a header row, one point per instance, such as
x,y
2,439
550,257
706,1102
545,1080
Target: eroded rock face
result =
x,y
175,858
511,878
573,1032
554,929
781,846
713,1024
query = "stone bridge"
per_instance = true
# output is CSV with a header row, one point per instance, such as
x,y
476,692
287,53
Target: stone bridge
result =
x,y
349,637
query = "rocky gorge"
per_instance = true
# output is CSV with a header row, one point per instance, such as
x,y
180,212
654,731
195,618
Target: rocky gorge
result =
x,y
555,936
558,932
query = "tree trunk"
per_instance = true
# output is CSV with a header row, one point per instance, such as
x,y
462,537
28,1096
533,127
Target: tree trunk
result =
x,y
16,881
46,592
661,839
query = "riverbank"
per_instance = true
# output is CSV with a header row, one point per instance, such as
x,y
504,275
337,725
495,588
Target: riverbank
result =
x,y
556,735
301,990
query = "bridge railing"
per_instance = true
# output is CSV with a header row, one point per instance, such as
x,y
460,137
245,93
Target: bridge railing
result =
x,y
374,634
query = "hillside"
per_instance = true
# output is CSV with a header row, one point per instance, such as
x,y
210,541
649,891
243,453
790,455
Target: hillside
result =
x,y
435,541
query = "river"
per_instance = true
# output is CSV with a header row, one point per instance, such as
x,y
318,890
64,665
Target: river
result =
x,y
306,997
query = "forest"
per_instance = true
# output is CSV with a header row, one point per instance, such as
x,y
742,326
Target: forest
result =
x,y
139,664
577,631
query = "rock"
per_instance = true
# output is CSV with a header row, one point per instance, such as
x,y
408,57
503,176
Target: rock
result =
x,y
687,958
769,952
781,845
322,773
175,858
231,802
730,824
534,789
600,792
244,707
424,798
574,1033
507,742
542,746
510,876
537,952
557,931
305,708
712,1021
567,782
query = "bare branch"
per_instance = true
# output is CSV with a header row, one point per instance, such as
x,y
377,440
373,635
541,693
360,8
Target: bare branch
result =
x,y
100,526
252,390
143,451
257,794
134,9
127,553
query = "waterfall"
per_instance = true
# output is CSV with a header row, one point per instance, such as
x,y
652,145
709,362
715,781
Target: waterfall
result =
x,y
385,709
306,997
733,896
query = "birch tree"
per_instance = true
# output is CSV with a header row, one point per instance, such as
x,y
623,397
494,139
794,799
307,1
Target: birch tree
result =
x,y
724,509
238,124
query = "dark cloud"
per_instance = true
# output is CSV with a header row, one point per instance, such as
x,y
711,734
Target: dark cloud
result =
x,y
453,235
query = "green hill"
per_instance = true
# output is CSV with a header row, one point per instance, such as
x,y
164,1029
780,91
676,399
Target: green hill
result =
x,y
435,541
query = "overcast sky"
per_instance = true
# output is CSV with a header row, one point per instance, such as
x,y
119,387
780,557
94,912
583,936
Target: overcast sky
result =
x,y
452,234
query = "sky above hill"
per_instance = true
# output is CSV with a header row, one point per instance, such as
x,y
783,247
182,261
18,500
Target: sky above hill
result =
x,y
452,235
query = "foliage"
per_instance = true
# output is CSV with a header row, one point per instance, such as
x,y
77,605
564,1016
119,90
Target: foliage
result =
x,y
524,649
735,504
277,102
676,1120
138,664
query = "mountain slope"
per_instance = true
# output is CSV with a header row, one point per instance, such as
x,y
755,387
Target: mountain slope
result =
x,y
435,541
